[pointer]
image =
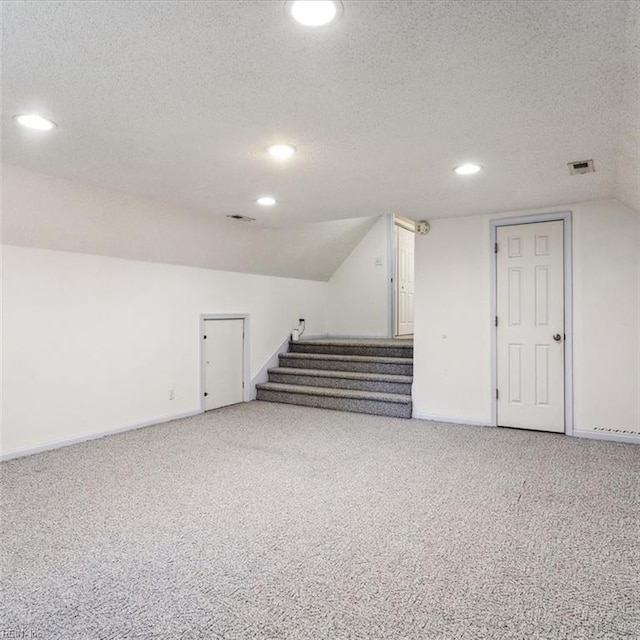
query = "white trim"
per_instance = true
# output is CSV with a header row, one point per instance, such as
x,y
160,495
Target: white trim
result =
x,y
471,422
246,365
629,438
58,444
391,266
409,225
405,223
565,218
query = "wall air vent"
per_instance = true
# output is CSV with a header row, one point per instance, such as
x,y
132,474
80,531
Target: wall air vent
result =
x,y
241,218
581,166
632,432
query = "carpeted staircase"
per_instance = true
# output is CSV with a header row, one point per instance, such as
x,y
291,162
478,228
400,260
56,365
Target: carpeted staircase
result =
x,y
365,376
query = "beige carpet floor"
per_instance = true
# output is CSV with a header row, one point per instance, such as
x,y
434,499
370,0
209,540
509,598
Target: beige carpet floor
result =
x,y
276,522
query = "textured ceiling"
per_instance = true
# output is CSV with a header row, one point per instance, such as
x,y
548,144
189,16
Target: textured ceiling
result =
x,y
178,100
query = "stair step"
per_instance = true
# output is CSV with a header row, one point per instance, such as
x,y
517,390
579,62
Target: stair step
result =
x,y
384,383
388,404
382,348
335,362
336,393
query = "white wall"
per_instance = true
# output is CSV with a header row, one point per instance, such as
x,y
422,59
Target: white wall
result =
x,y
359,289
452,366
91,343
607,317
452,372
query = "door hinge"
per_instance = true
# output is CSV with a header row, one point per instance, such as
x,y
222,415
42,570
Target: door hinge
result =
x,y
496,321
205,394
495,248
243,385
496,394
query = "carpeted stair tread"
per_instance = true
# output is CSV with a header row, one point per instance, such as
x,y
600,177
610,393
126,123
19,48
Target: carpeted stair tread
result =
x,y
334,393
356,342
365,376
349,375
355,347
343,358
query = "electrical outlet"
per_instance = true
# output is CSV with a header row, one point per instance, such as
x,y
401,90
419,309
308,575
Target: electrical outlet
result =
x,y
172,394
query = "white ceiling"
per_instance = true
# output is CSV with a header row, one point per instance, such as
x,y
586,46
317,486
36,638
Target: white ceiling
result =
x,y
178,101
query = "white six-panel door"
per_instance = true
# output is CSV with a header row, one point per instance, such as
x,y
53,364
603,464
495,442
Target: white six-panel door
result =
x,y
530,330
224,362
405,280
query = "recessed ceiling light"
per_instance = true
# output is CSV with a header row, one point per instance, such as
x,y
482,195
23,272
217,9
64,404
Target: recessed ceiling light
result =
x,y
33,121
314,13
266,201
281,151
467,169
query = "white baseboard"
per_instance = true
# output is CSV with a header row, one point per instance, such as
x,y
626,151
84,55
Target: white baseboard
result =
x,y
611,436
48,446
419,415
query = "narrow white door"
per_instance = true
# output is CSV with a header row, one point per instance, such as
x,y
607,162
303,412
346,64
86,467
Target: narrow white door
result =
x,y
224,362
530,330
405,281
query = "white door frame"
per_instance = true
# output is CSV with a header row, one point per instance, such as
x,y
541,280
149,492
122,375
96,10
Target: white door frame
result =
x,y
246,392
391,276
393,221
565,217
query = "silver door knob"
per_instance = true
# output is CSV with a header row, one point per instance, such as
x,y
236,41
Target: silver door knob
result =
x,y
557,337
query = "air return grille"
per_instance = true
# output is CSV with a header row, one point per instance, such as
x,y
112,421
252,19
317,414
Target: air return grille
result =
x,y
623,431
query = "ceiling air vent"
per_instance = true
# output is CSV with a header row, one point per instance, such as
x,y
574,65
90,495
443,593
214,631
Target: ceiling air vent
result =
x,y
241,218
581,166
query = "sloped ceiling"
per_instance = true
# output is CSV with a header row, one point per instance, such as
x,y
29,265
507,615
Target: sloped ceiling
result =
x,y
49,212
178,101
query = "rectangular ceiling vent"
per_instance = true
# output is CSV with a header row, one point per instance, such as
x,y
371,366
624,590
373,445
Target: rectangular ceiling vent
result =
x,y
581,166
241,218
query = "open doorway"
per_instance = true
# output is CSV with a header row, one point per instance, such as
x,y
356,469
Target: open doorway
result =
x,y
404,276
